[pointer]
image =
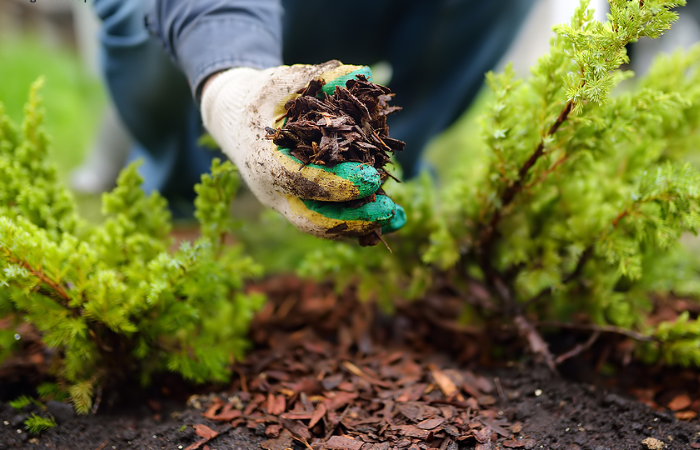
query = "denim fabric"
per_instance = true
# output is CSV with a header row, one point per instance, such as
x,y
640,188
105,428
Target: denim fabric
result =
x,y
207,36
439,51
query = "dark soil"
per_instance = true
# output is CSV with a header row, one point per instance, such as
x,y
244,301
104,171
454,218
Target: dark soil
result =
x,y
369,382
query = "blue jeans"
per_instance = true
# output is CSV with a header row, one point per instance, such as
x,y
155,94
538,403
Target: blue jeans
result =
x,y
439,51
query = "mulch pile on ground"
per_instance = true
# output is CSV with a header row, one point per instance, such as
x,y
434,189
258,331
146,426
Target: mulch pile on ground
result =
x,y
331,373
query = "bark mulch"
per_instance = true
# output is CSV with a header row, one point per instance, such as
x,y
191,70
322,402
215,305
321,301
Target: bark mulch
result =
x,y
330,373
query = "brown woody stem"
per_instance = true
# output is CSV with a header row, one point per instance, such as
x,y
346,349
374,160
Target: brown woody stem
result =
x,y
580,348
44,279
488,233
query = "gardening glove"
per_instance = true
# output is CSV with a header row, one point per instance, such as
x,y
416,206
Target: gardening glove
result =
x,y
240,103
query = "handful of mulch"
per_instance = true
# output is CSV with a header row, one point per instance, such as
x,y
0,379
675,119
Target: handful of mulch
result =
x,y
347,126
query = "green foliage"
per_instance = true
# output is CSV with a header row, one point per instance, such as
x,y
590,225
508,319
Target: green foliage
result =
x,y
214,197
51,391
113,299
581,201
20,402
36,424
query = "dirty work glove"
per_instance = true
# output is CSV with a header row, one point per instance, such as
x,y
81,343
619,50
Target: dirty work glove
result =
x,y
237,106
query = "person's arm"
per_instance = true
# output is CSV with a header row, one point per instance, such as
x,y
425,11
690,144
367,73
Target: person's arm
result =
x,y
207,36
230,51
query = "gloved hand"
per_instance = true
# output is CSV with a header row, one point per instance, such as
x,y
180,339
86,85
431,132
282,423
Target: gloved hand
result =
x,y
237,106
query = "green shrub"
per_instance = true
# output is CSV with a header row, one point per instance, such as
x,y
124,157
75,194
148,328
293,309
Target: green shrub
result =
x,y
581,204
112,299
20,402
36,424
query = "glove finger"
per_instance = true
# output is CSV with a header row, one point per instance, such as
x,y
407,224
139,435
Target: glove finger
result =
x,y
397,222
340,183
340,75
341,219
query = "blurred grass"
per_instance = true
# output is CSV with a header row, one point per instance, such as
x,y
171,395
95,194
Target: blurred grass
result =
x,y
73,99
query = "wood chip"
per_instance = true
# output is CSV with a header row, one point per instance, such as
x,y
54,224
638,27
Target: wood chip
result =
x,y
318,414
273,430
357,371
337,400
297,428
343,443
283,442
527,444
227,413
275,404
205,432
679,402
429,424
446,385
411,431
686,415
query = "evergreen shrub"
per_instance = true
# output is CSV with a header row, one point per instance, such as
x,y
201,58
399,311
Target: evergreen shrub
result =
x,y
578,212
113,300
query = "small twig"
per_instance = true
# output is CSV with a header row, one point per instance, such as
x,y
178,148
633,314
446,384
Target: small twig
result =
x,y
621,216
244,384
549,171
537,344
600,328
43,278
499,388
578,349
98,400
384,242
303,441
103,445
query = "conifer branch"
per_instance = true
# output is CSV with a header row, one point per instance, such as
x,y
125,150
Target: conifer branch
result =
x,y
511,191
488,234
621,216
57,288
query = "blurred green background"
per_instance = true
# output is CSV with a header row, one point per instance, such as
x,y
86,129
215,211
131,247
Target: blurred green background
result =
x,y
73,99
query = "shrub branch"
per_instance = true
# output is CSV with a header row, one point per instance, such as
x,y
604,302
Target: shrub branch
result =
x,y
56,287
488,234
